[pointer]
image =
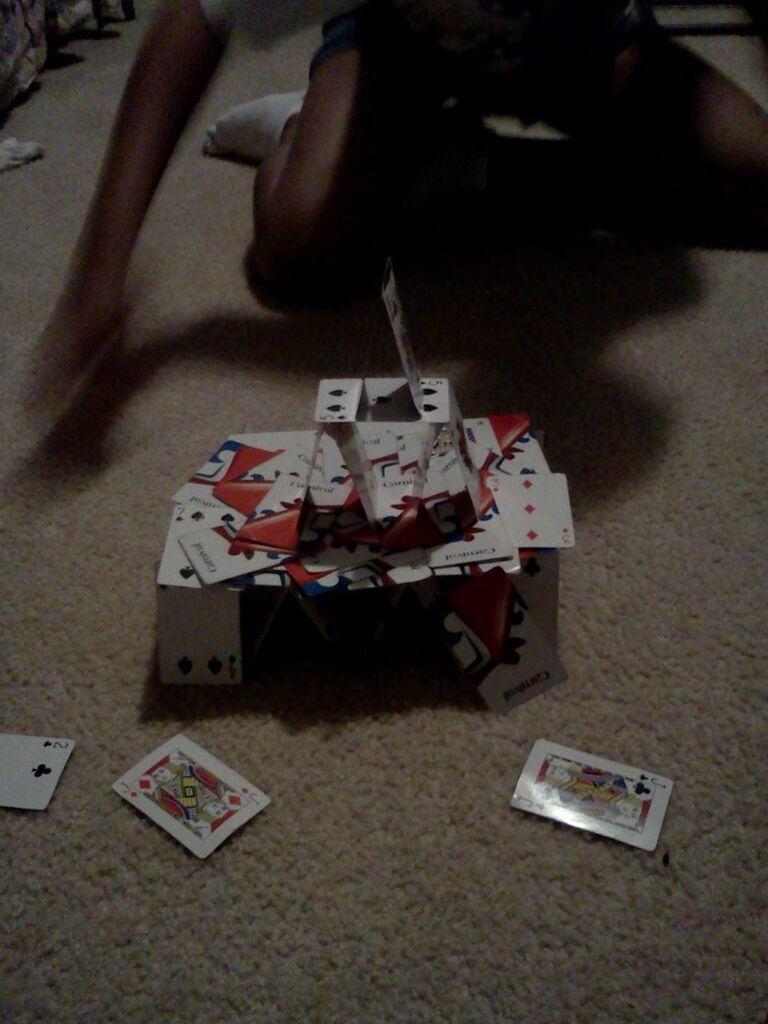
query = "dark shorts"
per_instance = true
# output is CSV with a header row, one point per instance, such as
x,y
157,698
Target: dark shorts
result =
x,y
571,60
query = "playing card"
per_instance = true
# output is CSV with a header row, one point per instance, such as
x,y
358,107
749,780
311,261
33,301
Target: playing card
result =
x,y
331,461
175,568
380,445
275,523
593,793
30,768
216,557
336,557
495,435
199,635
191,794
538,583
394,308
393,575
337,580
486,541
535,508
529,664
390,496
524,456
465,645
235,458
414,448
296,460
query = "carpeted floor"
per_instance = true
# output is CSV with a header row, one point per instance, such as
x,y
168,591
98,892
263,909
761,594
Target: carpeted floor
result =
x,y
388,880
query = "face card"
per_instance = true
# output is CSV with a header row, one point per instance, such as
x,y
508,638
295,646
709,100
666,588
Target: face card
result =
x,y
30,768
593,793
191,794
535,508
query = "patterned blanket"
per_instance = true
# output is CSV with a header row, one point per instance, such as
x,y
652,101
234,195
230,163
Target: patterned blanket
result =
x,y
26,26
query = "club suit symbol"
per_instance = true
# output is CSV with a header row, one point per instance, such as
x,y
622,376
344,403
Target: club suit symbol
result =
x,y
41,770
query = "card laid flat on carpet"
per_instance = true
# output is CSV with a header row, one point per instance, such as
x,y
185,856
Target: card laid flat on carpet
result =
x,y
191,794
593,793
30,768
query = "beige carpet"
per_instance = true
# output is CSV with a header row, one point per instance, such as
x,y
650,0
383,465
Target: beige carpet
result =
x,y
388,880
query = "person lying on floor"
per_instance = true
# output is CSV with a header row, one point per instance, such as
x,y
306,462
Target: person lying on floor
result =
x,y
337,161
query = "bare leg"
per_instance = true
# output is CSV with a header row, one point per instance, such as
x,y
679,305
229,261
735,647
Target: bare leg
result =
x,y
177,59
324,199
691,140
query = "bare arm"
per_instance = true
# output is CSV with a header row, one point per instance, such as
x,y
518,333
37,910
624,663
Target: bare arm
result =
x,y
177,59
175,63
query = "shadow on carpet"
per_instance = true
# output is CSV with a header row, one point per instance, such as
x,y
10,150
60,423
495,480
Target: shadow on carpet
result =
x,y
529,324
301,680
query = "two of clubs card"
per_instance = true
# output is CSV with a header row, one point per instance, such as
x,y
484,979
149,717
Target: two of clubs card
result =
x,y
589,792
30,769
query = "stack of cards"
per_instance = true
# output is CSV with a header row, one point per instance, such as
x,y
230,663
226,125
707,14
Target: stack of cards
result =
x,y
392,489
